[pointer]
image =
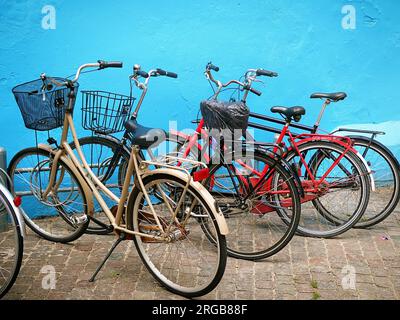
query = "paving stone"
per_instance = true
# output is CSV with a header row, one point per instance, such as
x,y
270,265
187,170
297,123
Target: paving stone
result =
x,y
285,276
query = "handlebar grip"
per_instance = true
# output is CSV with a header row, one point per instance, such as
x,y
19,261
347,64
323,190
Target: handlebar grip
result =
x,y
210,66
256,92
162,72
111,64
172,75
143,74
261,72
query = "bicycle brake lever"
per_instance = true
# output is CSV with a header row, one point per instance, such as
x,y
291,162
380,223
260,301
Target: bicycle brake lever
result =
x,y
258,80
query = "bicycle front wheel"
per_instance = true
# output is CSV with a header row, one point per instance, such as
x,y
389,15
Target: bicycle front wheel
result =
x,y
108,160
256,230
61,216
181,258
11,245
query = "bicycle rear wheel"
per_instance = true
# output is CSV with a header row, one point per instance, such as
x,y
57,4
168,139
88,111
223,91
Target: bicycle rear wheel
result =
x,y
182,260
342,197
11,245
386,175
62,215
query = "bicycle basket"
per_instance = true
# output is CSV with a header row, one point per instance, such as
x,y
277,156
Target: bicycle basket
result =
x,y
105,112
225,115
42,110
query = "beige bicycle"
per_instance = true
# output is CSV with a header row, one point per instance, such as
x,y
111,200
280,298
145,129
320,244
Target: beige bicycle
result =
x,y
165,212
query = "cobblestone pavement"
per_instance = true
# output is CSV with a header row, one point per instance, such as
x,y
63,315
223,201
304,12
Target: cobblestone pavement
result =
x,y
306,269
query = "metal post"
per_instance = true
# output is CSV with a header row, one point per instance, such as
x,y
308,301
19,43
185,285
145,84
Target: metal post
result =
x,y
3,180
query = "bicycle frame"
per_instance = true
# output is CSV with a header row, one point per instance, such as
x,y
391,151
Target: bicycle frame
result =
x,y
296,141
313,131
91,184
304,138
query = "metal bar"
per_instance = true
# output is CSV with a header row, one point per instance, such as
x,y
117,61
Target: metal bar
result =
x,y
281,121
360,131
27,170
64,190
269,129
114,246
264,128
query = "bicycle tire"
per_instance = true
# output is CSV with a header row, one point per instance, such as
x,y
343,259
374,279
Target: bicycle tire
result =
x,y
393,164
19,245
78,231
322,210
291,223
136,202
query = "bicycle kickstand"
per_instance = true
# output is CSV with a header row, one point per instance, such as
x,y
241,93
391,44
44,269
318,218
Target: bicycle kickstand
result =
x,y
114,246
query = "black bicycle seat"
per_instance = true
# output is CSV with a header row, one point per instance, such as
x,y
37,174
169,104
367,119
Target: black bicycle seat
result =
x,y
335,97
145,137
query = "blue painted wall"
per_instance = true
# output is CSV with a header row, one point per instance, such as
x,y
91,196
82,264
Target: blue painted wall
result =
x,y
303,40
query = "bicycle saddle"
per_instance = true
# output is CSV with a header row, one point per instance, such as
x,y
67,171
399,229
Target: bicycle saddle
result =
x,y
289,113
144,137
335,97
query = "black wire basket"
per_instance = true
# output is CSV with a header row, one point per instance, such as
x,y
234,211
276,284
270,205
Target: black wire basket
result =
x,y
42,110
105,112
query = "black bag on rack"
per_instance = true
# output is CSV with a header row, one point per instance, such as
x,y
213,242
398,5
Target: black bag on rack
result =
x,y
225,115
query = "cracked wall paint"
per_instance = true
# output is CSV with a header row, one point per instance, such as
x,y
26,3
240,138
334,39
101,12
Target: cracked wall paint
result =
x,y
303,41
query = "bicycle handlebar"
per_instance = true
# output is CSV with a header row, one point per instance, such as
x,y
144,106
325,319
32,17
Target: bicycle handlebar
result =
x,y
210,66
256,92
266,73
137,72
143,74
169,74
245,86
101,64
112,64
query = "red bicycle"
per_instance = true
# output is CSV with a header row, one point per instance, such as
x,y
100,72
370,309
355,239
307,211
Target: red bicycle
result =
x,y
333,181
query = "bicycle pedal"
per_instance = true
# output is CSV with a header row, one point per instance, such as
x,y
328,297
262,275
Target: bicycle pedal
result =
x,y
80,220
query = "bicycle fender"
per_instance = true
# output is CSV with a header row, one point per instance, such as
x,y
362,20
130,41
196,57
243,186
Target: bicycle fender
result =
x,y
109,138
18,211
85,187
369,170
223,227
377,143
